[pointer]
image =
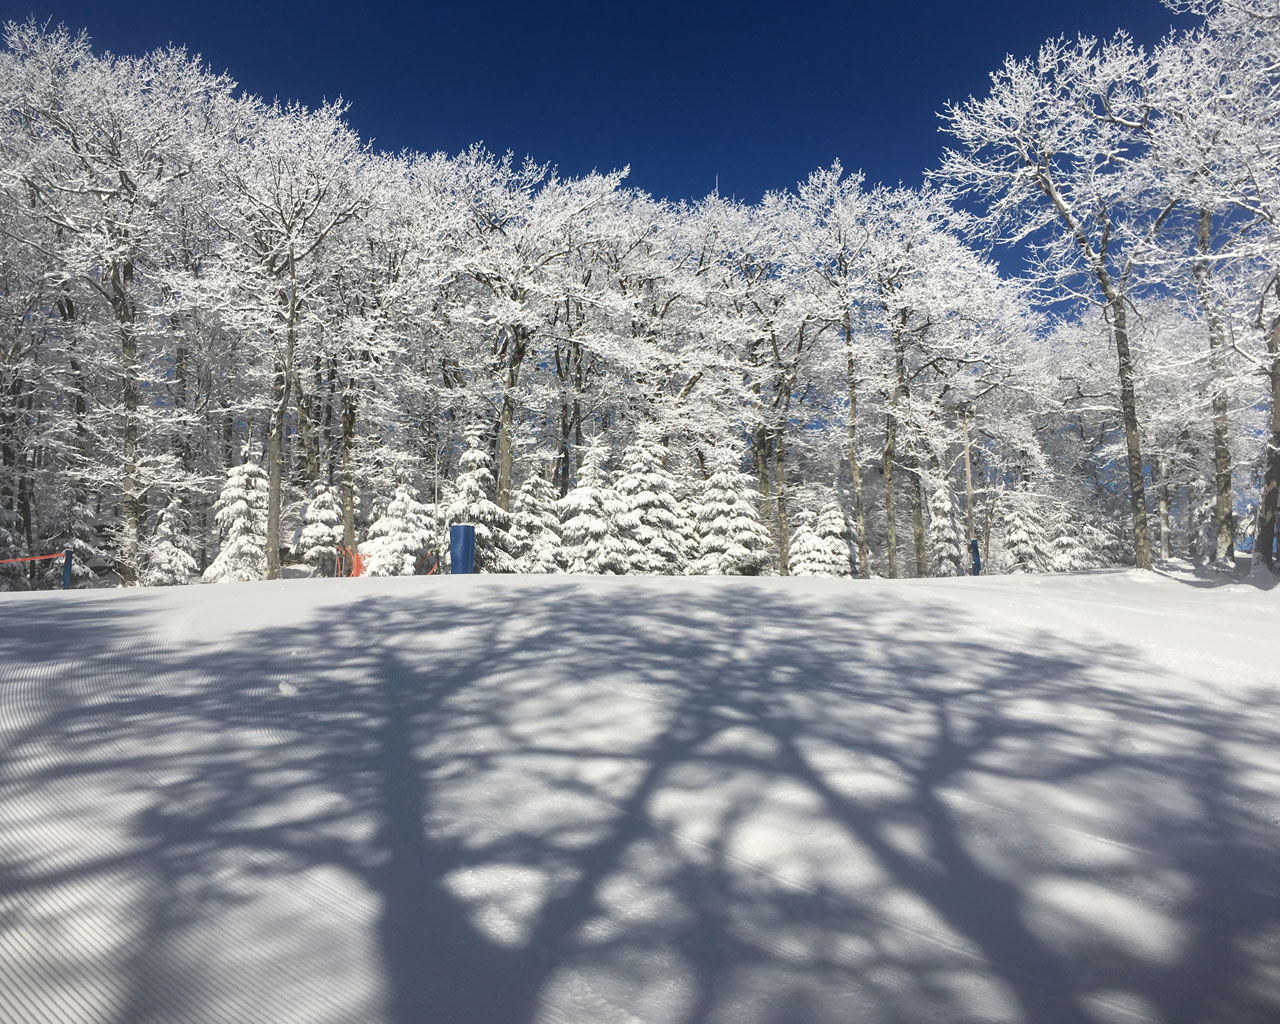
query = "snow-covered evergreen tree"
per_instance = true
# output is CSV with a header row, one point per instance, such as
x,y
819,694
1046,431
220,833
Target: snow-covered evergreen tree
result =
x,y
946,552
400,536
652,522
591,513
808,553
471,503
13,576
321,531
833,531
731,539
241,515
75,531
535,526
168,560
1023,537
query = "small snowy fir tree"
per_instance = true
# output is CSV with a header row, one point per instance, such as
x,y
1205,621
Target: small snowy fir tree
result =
x,y
807,553
168,556
1023,538
14,575
471,503
652,521
833,531
1066,551
321,531
535,526
591,513
400,536
75,531
731,539
946,553
241,515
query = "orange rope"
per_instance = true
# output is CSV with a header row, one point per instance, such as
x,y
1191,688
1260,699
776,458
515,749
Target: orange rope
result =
x,y
32,558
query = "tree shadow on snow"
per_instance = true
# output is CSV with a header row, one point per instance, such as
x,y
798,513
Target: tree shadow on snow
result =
x,y
565,802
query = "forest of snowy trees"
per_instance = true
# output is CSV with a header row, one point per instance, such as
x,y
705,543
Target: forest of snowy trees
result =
x,y
233,336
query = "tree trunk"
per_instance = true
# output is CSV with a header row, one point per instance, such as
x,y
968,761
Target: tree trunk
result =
x,y
1265,541
131,500
1224,543
780,498
506,421
1161,484
275,445
891,519
855,468
917,514
348,466
1133,442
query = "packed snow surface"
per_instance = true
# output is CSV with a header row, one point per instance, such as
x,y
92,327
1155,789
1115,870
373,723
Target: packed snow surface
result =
x,y
575,799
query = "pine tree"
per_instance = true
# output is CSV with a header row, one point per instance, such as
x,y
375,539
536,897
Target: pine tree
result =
x,y
535,527
470,503
591,514
833,531
808,553
168,557
652,521
946,553
1023,537
241,515
14,575
76,532
400,536
322,531
731,539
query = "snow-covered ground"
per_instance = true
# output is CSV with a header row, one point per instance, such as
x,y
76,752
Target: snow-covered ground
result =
x,y
509,800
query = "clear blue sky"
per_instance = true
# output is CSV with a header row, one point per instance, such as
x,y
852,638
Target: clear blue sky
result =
x,y
756,93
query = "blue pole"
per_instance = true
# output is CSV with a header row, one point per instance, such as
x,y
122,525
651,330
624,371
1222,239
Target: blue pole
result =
x,y
66,570
462,549
977,558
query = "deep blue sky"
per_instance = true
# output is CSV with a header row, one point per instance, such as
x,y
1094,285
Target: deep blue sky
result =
x,y
756,93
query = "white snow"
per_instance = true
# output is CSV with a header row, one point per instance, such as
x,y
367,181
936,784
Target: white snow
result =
x,y
580,799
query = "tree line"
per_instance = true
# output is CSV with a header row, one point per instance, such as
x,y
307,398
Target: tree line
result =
x,y
228,325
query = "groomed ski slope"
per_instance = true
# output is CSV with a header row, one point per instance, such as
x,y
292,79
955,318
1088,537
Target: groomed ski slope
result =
x,y
565,799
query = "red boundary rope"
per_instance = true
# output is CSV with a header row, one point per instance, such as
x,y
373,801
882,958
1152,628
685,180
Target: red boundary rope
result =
x,y
32,558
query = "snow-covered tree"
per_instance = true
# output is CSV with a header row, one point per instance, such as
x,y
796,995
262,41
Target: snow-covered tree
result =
x,y
400,536
833,531
471,503
591,514
1023,535
731,539
168,561
808,554
946,554
653,527
322,531
241,515
535,526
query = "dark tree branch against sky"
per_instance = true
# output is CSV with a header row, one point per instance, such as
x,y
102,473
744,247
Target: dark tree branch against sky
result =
x,y
755,95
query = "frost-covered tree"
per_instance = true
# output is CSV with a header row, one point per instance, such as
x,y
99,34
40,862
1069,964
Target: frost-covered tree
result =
x,y
833,531
471,503
400,536
13,575
241,515
808,554
168,561
1065,550
946,554
1023,536
321,531
731,539
591,514
535,526
652,522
